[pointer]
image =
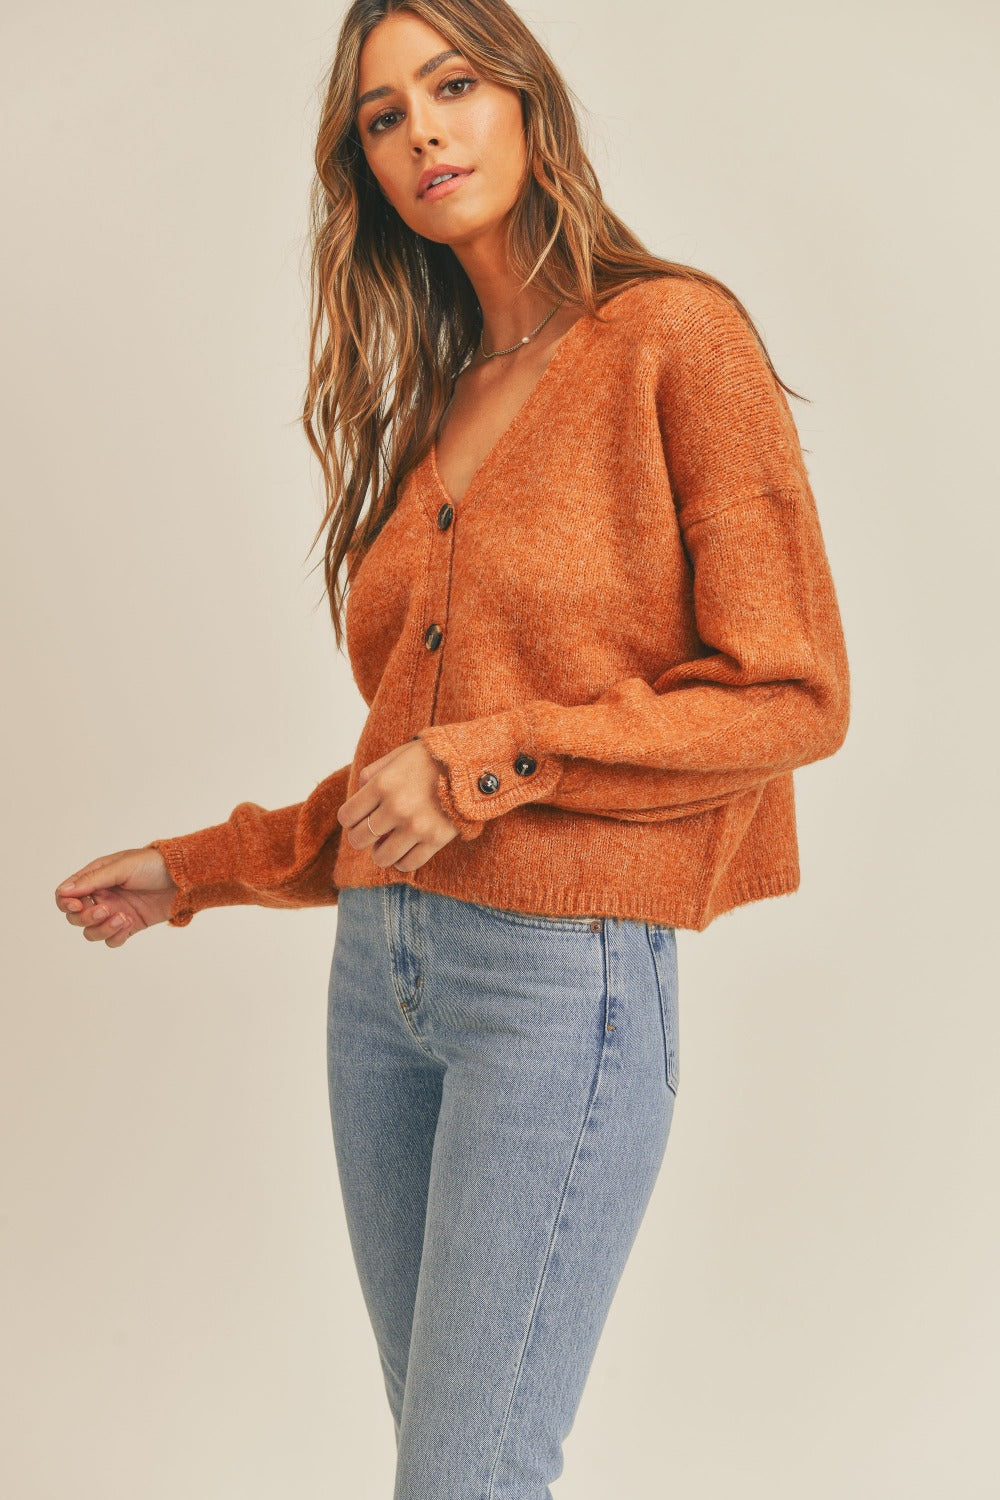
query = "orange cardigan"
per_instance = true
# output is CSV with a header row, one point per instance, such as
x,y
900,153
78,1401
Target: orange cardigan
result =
x,y
617,645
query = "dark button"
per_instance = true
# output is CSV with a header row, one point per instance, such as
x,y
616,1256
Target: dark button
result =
x,y
488,782
432,637
444,516
525,764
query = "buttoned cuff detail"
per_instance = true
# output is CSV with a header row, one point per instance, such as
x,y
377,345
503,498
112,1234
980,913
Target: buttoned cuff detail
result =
x,y
488,767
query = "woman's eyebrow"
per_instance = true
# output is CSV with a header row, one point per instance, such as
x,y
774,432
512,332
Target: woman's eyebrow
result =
x,y
422,71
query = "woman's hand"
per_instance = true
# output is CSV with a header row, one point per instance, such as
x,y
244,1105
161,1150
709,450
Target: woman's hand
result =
x,y
117,895
399,793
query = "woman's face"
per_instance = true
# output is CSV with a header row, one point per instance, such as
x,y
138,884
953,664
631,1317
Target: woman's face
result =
x,y
433,109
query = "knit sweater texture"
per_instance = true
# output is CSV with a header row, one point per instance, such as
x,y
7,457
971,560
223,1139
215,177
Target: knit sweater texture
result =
x,y
617,645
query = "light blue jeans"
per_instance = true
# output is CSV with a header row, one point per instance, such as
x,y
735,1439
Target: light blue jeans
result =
x,y
501,1092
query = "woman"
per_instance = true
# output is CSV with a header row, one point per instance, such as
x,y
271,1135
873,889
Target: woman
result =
x,y
591,614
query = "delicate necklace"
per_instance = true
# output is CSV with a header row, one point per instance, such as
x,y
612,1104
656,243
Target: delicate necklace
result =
x,y
525,340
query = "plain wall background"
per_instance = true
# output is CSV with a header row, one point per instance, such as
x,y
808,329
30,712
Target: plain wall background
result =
x,y
812,1305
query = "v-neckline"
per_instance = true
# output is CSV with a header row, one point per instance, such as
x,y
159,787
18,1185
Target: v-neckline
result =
x,y
585,321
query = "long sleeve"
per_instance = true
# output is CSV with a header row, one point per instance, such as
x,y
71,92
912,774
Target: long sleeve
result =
x,y
770,690
258,857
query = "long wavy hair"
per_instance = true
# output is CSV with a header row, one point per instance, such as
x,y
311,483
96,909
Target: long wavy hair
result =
x,y
393,316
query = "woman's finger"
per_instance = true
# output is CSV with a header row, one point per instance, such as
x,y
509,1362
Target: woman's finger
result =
x,y
122,935
99,874
89,909
100,930
93,912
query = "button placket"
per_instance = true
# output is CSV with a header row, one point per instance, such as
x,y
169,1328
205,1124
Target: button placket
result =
x,y
439,590
490,781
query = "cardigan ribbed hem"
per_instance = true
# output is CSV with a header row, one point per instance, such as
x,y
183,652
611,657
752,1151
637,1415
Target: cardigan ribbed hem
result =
x,y
648,905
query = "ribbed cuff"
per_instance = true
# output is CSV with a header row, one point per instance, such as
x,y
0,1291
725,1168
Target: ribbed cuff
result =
x,y
204,866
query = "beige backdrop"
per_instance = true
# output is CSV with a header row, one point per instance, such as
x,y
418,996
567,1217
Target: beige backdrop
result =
x,y
812,1306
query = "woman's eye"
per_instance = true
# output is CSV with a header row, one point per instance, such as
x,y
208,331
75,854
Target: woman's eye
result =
x,y
449,81
376,127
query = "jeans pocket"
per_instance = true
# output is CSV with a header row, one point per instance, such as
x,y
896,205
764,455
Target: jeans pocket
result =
x,y
663,945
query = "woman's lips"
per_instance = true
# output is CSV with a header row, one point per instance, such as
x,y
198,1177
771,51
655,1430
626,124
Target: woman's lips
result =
x,y
444,188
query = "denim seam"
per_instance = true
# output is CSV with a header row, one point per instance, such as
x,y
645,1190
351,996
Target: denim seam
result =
x,y
667,1040
419,915
595,1088
401,1005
